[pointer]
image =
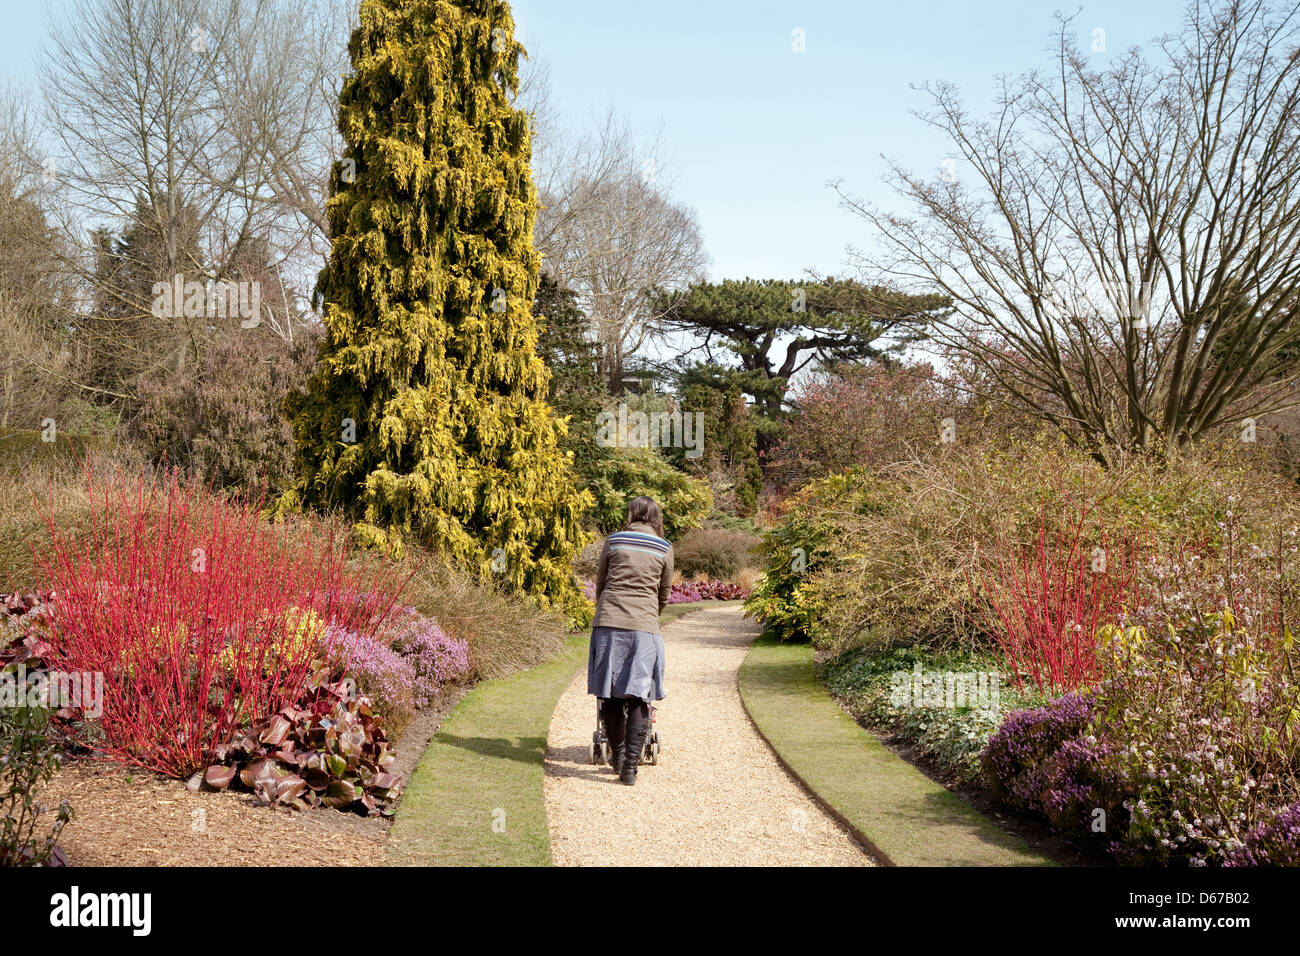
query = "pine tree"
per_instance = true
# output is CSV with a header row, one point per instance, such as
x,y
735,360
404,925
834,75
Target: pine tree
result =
x,y
731,445
426,418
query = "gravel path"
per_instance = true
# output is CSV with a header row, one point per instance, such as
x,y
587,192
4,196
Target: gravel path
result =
x,y
718,797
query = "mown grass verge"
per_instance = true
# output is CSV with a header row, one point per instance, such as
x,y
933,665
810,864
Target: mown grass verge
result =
x,y
902,815
475,798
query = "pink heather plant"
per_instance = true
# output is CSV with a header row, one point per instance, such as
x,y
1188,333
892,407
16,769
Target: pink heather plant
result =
x,y
437,658
380,672
1275,842
690,592
693,591
684,594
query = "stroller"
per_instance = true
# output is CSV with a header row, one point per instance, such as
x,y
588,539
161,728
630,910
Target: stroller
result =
x,y
598,751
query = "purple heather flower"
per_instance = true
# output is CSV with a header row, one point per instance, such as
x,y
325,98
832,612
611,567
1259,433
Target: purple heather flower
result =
x,y
436,657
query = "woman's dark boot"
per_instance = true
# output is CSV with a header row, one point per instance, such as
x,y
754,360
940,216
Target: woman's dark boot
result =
x,y
615,718
638,725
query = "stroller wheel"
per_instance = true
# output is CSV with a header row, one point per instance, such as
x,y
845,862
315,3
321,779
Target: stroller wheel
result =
x,y
591,754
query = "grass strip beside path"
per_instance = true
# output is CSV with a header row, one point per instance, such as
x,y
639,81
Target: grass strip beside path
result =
x,y
475,798
901,814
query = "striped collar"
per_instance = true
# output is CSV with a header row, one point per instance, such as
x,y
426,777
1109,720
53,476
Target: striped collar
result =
x,y
640,527
638,536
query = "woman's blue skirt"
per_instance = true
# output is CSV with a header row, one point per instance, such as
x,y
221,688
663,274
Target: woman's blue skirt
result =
x,y
625,664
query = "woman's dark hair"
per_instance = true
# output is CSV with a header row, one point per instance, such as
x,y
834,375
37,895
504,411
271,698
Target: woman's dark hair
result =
x,y
646,511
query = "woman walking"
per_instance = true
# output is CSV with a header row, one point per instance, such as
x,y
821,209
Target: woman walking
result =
x,y
625,668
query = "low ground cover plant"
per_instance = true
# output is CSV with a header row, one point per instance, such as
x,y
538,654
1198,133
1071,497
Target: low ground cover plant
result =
x,y
1045,760
1275,842
327,749
691,592
886,690
403,668
437,659
378,672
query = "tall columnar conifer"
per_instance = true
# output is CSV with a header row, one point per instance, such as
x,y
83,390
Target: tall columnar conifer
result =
x,y
426,417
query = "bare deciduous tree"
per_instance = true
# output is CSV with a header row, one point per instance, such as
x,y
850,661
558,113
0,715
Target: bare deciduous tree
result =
x,y
610,231
1122,245
206,127
37,361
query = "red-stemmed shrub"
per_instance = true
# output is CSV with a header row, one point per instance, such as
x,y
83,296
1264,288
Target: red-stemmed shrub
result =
x,y
1047,600
201,618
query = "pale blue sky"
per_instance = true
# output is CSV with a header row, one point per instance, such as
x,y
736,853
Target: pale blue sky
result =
x,y
755,130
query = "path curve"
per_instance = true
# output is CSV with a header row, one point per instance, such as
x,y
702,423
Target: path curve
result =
x,y
717,798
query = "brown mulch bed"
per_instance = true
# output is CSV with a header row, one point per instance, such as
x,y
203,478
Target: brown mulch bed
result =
x,y
132,817
137,818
